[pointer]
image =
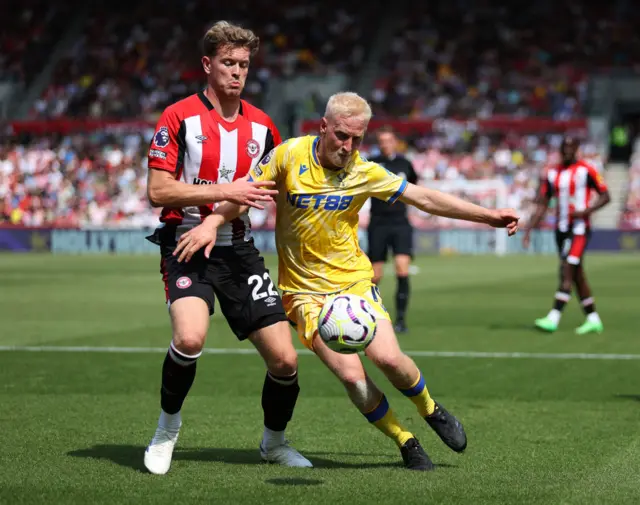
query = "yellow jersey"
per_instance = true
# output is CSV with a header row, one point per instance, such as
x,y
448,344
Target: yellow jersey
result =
x,y
317,215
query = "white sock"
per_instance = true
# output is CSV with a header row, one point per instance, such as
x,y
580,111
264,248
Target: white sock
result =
x,y
554,315
170,422
272,438
594,318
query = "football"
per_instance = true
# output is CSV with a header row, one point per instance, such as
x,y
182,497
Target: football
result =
x,y
347,324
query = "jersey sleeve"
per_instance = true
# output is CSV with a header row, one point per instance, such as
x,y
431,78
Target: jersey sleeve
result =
x,y
271,167
273,139
167,148
385,185
595,179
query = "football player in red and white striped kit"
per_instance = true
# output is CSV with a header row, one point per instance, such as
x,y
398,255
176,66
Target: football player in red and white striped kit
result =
x,y
572,182
201,153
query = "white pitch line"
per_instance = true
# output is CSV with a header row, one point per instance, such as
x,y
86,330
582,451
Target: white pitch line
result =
x,y
420,354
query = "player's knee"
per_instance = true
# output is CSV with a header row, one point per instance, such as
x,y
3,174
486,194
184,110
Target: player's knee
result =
x,y
352,380
283,364
189,342
389,362
566,284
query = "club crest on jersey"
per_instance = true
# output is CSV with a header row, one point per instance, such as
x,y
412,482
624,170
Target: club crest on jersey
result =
x,y
161,138
183,282
253,148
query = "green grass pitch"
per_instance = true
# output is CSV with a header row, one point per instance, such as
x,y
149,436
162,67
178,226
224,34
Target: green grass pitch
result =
x,y
546,430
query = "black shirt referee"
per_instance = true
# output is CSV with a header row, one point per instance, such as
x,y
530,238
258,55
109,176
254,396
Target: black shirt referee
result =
x,y
389,225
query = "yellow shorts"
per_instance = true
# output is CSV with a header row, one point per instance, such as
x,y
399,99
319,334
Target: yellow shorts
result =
x,y
303,309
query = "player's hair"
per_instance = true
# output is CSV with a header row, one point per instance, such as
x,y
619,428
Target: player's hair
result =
x,y
224,33
348,104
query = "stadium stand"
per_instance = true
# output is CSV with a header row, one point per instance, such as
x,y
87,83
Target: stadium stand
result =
x,y
130,63
99,179
462,59
28,30
478,59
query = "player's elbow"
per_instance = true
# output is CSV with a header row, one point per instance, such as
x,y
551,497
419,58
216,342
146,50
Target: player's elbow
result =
x,y
155,196
423,200
417,196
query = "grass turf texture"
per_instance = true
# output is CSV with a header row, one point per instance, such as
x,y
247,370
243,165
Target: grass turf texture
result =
x,y
541,431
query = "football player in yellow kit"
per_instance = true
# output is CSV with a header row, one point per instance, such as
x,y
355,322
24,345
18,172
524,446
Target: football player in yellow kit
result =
x,y
322,183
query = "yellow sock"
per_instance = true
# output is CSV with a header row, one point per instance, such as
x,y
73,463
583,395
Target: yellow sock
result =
x,y
419,394
383,418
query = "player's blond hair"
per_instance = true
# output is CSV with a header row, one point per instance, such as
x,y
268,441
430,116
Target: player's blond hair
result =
x,y
224,33
348,104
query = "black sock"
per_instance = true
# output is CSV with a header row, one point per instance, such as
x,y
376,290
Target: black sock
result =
x,y
561,299
279,396
178,373
588,305
402,297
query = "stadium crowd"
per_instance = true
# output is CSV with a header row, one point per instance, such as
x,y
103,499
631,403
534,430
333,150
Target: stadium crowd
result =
x,y
28,30
99,180
454,59
477,59
134,61
462,59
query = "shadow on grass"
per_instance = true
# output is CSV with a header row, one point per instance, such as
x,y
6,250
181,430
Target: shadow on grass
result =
x,y
131,456
628,397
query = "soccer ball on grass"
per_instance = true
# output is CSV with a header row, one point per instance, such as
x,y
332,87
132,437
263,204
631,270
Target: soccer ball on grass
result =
x,y
347,324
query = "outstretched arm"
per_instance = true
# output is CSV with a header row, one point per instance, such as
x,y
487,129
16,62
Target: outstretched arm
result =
x,y
446,205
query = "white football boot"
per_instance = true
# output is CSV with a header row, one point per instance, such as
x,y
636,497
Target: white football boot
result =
x,y
285,455
157,457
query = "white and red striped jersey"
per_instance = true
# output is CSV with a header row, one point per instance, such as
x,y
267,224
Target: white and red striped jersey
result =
x,y
572,187
200,147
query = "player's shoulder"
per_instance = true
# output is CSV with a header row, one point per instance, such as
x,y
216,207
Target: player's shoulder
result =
x,y
255,114
365,165
589,165
189,106
297,146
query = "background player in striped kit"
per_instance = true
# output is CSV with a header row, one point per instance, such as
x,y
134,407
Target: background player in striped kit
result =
x,y
571,183
203,148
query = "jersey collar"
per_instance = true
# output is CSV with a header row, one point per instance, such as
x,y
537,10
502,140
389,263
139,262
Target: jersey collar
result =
x,y
207,103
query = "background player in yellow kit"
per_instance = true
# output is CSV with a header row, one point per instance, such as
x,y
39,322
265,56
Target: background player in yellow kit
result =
x,y
323,182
